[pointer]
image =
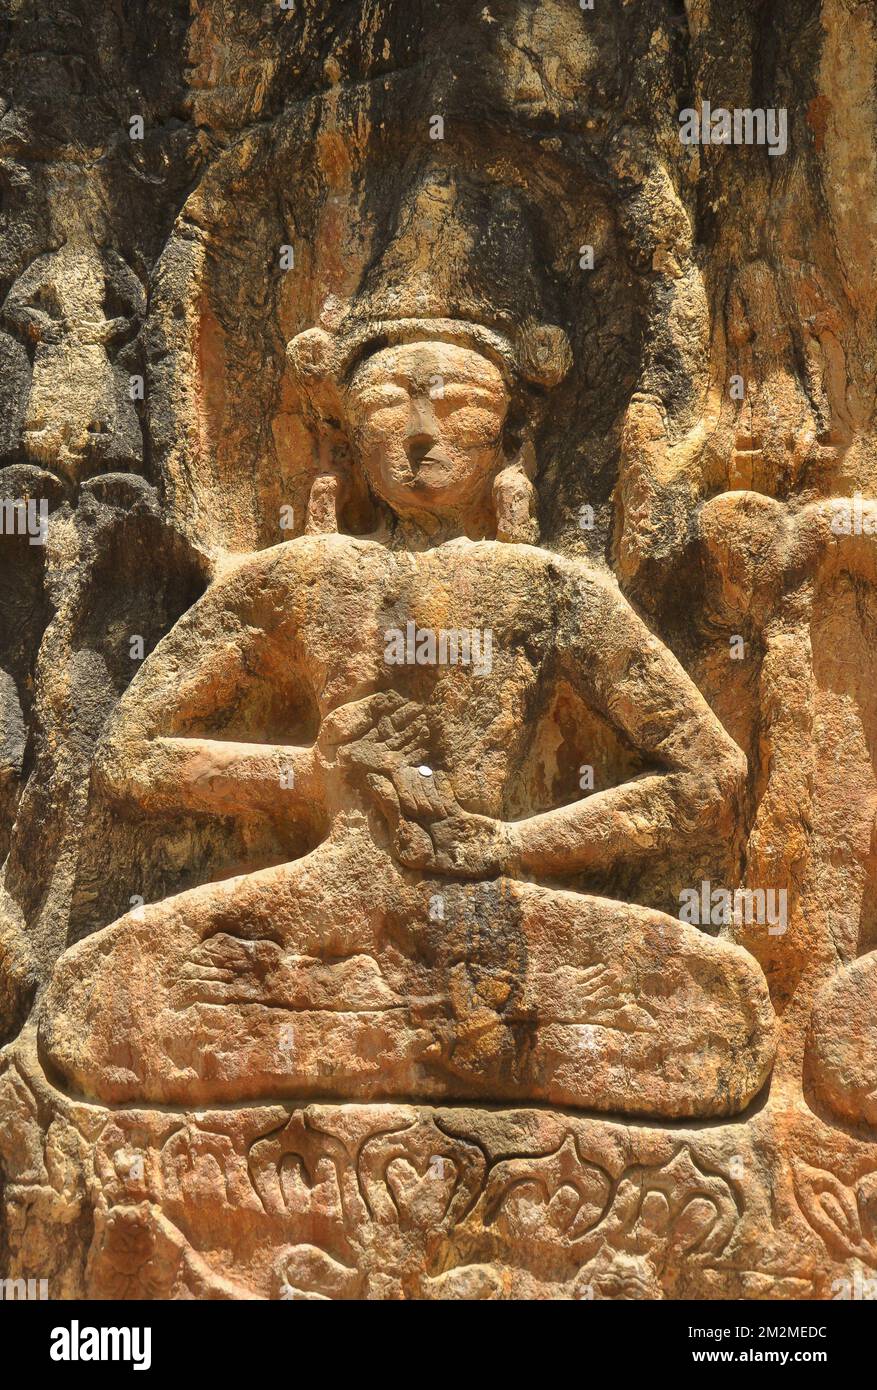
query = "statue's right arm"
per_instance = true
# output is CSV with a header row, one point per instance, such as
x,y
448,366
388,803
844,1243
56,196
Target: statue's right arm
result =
x,y
159,752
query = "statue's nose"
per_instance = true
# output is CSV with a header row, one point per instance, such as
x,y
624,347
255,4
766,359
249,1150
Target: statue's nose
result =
x,y
422,432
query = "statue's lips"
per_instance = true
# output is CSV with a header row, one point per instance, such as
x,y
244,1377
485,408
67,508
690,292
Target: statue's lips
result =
x,y
431,460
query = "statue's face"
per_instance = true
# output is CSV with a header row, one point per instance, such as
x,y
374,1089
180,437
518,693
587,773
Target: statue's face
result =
x,y
428,421
78,417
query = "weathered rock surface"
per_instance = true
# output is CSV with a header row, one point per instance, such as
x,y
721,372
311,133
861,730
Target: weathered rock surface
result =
x,y
438,589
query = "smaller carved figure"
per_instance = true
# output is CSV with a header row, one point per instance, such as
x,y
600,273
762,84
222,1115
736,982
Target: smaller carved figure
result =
x,y
76,309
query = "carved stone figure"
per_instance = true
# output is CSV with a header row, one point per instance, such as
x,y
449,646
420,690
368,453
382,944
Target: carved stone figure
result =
x,y
797,575
399,692
76,309
423,945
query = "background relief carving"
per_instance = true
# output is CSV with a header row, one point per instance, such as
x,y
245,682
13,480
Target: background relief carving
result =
x,y
437,632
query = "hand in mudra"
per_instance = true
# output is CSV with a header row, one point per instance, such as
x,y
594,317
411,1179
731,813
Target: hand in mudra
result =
x,y
434,834
381,743
373,737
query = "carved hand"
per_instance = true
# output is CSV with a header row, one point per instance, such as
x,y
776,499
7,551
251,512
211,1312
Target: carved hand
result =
x,y
433,833
374,736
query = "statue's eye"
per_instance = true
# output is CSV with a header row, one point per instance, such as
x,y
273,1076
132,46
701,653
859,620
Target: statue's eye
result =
x,y
381,397
459,394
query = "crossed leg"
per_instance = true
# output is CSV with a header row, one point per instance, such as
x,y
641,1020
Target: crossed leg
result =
x,y
605,1005
341,976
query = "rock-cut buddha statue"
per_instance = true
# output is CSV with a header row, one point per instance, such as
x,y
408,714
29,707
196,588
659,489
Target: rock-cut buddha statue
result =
x,y
424,946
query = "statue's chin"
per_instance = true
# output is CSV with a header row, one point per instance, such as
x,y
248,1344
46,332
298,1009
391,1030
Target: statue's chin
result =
x,y
438,487
426,496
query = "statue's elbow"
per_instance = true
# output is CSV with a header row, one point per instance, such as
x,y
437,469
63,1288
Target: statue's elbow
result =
x,y
111,774
714,788
727,784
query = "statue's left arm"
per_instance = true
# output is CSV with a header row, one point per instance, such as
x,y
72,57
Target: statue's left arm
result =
x,y
621,669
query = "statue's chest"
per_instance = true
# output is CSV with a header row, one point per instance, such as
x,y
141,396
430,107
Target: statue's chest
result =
x,y
450,635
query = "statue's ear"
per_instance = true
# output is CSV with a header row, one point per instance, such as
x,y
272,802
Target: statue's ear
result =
x,y
514,499
324,503
336,490
526,458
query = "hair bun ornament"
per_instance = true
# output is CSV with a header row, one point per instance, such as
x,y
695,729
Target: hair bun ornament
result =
x,y
312,357
544,353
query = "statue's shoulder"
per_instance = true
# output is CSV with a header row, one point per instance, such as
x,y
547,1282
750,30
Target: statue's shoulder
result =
x,y
565,568
582,586
511,554
301,559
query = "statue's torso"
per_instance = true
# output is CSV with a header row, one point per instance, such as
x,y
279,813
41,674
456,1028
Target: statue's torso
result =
x,y
471,631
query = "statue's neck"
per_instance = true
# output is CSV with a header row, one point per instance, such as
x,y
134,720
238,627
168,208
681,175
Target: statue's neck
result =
x,y
424,530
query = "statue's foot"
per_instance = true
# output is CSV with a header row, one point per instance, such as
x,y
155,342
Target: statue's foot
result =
x,y
242,990
594,1003
841,1057
308,982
